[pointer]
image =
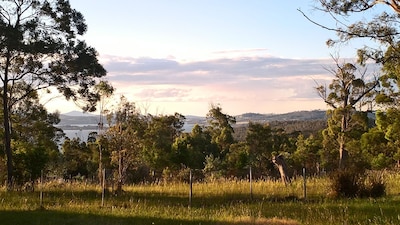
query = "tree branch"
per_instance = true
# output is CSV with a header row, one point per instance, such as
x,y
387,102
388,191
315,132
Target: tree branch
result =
x,y
348,33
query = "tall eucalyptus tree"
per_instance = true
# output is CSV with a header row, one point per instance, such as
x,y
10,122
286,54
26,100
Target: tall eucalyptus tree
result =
x,y
345,93
40,44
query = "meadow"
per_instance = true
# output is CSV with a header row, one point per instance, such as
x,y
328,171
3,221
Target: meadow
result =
x,y
219,202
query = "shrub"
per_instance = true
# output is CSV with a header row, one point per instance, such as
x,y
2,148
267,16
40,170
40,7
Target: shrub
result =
x,y
344,183
351,183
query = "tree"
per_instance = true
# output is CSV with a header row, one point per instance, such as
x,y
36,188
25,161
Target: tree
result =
x,y
344,95
264,143
377,149
77,158
379,24
388,128
307,153
160,135
220,128
189,150
39,44
34,137
125,139
260,139
104,90
237,160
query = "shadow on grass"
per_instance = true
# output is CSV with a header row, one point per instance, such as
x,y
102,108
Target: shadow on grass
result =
x,y
130,199
42,217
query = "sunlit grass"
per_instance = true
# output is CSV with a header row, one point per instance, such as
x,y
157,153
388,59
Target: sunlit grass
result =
x,y
220,202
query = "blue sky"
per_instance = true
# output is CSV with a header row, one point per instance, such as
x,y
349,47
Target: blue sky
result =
x,y
182,55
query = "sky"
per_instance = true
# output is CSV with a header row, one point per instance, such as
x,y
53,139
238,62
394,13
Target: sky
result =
x,y
182,56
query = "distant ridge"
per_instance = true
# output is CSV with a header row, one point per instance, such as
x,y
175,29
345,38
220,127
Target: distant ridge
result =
x,y
76,118
77,113
291,116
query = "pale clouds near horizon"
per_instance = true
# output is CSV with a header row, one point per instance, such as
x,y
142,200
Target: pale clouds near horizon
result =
x,y
262,84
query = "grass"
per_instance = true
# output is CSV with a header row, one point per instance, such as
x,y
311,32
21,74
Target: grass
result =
x,y
219,203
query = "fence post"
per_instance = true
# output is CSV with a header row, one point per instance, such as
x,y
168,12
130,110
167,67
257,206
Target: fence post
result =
x,y
251,183
103,187
190,188
41,189
304,184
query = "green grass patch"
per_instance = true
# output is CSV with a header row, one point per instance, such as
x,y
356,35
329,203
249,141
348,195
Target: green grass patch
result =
x,y
220,203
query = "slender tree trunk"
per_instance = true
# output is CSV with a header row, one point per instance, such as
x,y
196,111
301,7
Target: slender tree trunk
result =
x,y
7,130
343,153
119,185
100,170
100,125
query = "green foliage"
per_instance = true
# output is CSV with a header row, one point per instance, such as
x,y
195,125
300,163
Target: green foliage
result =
x,y
381,161
307,153
159,136
238,160
220,128
77,159
34,137
123,142
190,149
212,168
262,142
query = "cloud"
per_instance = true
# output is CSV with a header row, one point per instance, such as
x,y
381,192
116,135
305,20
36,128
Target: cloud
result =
x,y
162,94
246,80
169,71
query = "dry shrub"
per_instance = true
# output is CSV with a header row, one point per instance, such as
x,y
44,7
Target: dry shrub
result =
x,y
344,183
351,183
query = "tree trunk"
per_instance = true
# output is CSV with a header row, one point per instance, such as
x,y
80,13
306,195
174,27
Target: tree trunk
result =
x,y
120,179
279,161
7,130
343,153
100,170
99,134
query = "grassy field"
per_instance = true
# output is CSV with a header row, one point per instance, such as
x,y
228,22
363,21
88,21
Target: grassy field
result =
x,y
220,203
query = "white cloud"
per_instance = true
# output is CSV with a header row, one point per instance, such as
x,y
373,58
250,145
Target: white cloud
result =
x,y
261,84
246,80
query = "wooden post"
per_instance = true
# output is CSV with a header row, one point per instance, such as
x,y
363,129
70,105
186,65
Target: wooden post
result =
x,y
103,187
304,184
190,188
41,189
251,183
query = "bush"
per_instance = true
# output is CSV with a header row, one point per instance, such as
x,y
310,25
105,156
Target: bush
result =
x,y
351,183
344,183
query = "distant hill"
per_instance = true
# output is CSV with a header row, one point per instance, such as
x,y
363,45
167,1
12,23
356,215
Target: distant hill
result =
x,y
292,116
293,123
77,119
78,114
86,120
